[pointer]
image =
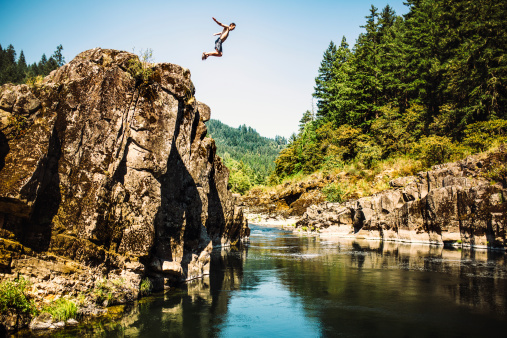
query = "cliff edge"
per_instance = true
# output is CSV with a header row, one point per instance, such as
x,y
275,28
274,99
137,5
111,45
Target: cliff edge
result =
x,y
107,174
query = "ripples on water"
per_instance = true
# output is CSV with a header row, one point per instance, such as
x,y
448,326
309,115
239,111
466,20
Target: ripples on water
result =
x,y
284,285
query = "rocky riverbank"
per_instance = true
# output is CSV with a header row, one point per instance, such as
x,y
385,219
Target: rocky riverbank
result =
x,y
106,176
461,203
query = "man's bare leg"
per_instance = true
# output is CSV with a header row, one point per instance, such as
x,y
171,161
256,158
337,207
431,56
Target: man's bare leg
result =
x,y
215,53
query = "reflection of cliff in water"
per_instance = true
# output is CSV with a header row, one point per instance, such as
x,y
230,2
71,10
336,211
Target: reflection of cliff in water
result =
x,y
190,311
350,269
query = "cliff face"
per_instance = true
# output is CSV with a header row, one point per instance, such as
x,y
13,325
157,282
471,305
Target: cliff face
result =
x,y
456,203
104,175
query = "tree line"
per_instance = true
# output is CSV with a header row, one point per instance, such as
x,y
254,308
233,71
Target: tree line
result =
x,y
249,156
16,70
429,84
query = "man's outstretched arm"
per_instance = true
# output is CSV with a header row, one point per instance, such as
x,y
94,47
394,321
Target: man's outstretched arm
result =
x,y
219,23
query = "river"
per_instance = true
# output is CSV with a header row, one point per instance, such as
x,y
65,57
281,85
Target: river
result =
x,y
286,285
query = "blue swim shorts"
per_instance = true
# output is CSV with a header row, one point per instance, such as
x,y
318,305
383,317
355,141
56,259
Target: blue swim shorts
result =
x,y
218,45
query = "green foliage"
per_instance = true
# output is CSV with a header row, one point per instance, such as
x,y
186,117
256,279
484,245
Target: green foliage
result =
x,y
335,192
430,84
239,175
433,150
498,173
368,154
13,298
61,309
244,145
19,124
395,132
145,287
18,71
140,68
482,135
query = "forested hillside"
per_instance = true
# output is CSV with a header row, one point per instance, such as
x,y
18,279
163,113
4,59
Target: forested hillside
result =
x,y
15,69
249,156
429,85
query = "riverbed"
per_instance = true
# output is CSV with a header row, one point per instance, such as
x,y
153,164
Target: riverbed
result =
x,y
287,285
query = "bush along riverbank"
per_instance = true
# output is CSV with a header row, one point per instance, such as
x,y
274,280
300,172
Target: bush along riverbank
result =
x,y
22,304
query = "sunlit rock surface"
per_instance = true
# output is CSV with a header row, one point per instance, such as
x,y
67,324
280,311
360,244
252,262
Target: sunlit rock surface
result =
x,y
461,203
103,176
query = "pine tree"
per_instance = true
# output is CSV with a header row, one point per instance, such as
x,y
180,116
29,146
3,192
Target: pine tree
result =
x,y
41,66
341,103
58,56
21,68
307,118
323,81
424,55
476,78
9,67
366,72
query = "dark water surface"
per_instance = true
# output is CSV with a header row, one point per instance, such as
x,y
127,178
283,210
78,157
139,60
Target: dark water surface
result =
x,y
284,285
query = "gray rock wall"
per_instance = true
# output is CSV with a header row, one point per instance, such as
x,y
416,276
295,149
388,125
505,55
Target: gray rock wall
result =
x,y
110,176
455,203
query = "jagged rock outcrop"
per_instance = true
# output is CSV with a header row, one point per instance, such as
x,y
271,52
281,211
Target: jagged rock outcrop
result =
x,y
288,200
103,174
462,203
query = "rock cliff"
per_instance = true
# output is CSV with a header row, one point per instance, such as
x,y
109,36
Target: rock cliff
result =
x,y
463,203
105,174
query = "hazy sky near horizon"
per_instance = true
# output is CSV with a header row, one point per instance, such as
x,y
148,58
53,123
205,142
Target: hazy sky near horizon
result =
x,y
265,78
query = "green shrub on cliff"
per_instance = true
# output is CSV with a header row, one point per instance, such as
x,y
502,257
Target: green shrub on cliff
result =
x,y
13,298
140,68
145,287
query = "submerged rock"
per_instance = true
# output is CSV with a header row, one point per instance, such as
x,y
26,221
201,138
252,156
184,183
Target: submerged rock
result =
x,y
103,175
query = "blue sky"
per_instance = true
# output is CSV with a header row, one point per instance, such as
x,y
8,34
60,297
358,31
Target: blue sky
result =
x,y
265,78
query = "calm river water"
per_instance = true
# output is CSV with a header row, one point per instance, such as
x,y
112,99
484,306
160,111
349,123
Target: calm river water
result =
x,y
284,285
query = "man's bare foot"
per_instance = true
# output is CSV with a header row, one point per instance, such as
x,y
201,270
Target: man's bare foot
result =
x,y
204,56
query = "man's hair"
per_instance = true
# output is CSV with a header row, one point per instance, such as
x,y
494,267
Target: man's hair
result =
x,y
233,24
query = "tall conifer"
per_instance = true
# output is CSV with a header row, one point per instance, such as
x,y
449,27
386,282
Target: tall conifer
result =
x,y
323,81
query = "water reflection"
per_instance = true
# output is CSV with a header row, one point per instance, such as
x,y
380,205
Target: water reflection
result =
x,y
288,285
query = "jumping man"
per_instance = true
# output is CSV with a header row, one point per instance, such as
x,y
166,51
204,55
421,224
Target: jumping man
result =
x,y
221,39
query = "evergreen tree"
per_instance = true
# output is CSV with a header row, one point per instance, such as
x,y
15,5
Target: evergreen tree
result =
x,y
341,102
307,118
17,71
58,56
366,72
9,67
323,80
476,70
22,68
244,145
